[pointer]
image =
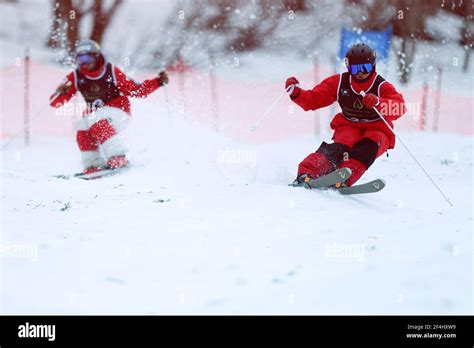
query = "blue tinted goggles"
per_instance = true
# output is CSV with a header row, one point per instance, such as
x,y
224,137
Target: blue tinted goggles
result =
x,y
85,59
363,68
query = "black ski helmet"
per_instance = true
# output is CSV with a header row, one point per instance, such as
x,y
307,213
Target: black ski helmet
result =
x,y
360,53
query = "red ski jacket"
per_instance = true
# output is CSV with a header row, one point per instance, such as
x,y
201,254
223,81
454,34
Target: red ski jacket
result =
x,y
126,86
391,103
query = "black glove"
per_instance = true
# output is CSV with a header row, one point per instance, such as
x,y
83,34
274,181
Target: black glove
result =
x,y
163,78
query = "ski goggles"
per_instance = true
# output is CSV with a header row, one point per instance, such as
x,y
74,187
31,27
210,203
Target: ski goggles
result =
x,y
363,68
85,59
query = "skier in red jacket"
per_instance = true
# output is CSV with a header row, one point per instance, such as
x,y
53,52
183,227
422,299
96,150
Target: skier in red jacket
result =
x,y
360,136
105,89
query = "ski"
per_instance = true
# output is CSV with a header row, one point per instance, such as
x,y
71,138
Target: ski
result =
x,y
101,173
369,187
336,178
106,172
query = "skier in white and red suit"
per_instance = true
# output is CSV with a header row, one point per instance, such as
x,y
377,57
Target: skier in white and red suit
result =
x,y
360,136
105,89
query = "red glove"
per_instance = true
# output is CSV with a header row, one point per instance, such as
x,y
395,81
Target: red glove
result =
x,y
370,100
292,86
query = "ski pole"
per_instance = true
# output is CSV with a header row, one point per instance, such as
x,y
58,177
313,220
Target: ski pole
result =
x,y
409,152
267,112
167,102
39,113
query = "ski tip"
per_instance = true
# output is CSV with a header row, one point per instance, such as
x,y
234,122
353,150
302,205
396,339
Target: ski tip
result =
x,y
349,171
369,187
378,184
62,176
345,173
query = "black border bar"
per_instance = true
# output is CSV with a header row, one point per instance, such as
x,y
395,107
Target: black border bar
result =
x,y
240,330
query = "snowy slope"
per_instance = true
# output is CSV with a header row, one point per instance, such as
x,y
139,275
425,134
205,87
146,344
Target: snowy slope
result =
x,y
203,224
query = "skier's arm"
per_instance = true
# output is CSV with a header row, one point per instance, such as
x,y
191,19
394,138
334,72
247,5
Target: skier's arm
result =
x,y
391,102
322,95
64,92
132,88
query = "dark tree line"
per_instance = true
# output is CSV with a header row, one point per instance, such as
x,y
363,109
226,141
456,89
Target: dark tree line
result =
x,y
225,26
408,19
218,27
67,16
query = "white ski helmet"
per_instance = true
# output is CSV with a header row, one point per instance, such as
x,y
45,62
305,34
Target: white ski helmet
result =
x,y
87,47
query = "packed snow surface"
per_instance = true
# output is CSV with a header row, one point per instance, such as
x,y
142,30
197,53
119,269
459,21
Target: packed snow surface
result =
x,y
203,224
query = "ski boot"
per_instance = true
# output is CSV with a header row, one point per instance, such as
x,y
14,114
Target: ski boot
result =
x,y
117,162
302,180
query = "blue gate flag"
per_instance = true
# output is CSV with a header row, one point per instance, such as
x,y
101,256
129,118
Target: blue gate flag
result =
x,y
379,40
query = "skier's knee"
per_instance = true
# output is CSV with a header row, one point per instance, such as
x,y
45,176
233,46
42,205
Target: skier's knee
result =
x,y
365,151
85,141
335,152
102,131
380,138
